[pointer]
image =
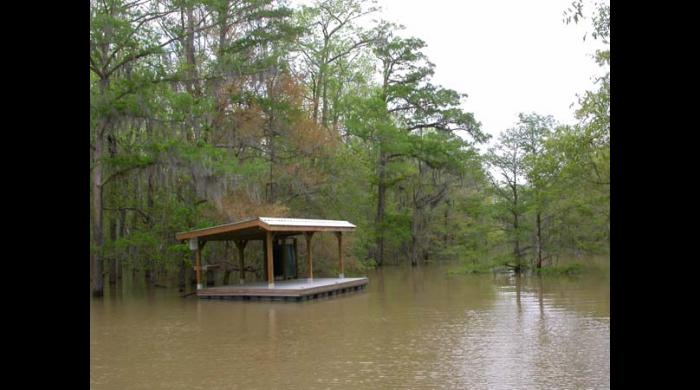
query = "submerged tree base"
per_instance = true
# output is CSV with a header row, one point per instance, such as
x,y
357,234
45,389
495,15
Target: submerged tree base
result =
x,y
477,268
571,269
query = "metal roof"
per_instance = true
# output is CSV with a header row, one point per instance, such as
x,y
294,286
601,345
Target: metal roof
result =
x,y
254,228
305,222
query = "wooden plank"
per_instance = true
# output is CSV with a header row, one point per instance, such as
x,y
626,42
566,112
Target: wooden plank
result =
x,y
333,287
318,287
351,285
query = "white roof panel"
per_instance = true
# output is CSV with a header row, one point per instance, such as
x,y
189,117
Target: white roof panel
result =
x,y
305,222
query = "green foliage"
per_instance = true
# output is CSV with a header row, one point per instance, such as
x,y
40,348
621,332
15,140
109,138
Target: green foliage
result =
x,y
572,269
473,268
204,112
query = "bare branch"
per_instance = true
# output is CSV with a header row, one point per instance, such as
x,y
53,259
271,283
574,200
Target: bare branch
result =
x,y
353,47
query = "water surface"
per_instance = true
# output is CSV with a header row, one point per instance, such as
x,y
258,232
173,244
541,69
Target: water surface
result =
x,y
410,328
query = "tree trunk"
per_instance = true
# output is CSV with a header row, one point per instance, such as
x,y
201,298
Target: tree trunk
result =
x,y
516,232
315,97
381,199
414,236
324,109
191,70
516,245
113,257
444,237
223,20
227,275
97,228
539,241
271,178
149,194
210,277
320,87
518,287
149,273
181,282
122,234
192,272
189,53
112,142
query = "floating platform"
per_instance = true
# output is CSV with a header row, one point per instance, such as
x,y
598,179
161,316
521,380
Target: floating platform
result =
x,y
285,290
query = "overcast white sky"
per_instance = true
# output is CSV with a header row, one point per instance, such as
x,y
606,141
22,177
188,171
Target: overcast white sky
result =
x,y
509,56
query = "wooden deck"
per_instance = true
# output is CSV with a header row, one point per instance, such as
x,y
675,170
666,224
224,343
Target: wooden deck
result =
x,y
288,290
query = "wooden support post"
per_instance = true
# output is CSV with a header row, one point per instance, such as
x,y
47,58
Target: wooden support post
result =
x,y
340,252
198,266
270,264
241,261
296,259
308,236
283,248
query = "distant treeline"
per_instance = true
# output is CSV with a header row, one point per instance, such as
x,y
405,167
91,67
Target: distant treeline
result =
x,y
207,111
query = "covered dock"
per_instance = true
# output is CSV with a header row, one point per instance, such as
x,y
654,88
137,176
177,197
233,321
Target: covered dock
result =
x,y
282,283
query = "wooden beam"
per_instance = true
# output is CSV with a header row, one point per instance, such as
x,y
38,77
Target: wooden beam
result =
x,y
270,264
340,252
240,244
247,235
218,229
308,236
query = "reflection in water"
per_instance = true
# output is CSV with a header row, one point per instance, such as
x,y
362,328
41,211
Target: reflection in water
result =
x,y
411,328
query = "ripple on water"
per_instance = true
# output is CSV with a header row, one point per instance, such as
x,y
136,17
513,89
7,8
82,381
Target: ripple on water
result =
x,y
420,331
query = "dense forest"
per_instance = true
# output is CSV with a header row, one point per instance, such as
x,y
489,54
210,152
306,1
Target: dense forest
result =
x,y
203,112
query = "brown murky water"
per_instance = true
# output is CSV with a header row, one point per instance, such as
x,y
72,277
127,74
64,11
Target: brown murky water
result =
x,y
411,328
